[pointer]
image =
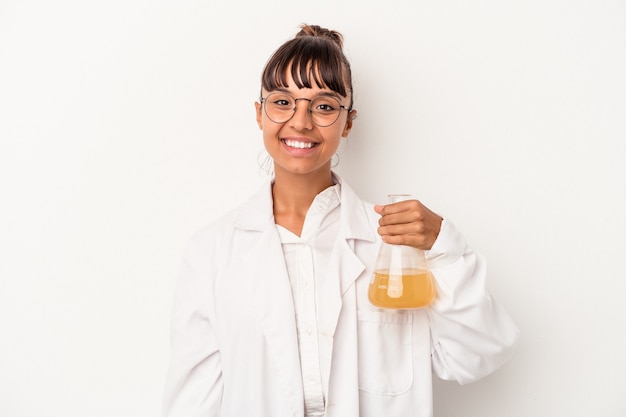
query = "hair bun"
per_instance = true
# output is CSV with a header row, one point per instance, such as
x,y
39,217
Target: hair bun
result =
x,y
315,30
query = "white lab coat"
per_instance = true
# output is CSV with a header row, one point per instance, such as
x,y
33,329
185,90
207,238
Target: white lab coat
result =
x,y
234,349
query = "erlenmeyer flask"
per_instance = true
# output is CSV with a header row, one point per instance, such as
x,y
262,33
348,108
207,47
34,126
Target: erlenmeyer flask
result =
x,y
401,277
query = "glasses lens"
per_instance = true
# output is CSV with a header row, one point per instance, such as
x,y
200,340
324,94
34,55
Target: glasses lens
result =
x,y
325,110
279,107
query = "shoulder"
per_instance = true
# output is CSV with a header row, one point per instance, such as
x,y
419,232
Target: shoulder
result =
x,y
217,228
253,214
206,243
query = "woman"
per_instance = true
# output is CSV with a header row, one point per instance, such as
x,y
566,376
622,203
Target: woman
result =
x,y
271,315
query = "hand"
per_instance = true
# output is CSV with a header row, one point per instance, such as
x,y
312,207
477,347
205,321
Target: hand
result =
x,y
408,223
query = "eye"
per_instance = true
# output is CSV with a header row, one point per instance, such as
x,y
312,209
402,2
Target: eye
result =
x,y
280,101
325,105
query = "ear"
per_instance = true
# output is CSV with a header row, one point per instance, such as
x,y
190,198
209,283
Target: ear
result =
x,y
348,126
259,114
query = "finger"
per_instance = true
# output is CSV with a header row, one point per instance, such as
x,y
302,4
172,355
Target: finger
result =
x,y
400,206
402,217
396,229
416,241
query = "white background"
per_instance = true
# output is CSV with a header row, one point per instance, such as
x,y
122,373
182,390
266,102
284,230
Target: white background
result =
x,y
125,126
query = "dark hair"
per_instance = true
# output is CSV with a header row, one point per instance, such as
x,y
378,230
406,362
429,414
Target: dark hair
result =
x,y
316,55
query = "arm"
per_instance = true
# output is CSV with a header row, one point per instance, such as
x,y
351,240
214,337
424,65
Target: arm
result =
x,y
472,335
193,386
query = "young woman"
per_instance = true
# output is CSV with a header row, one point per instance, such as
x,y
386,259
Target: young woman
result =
x,y
271,315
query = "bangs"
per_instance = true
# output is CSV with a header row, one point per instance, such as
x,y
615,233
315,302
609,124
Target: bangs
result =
x,y
310,61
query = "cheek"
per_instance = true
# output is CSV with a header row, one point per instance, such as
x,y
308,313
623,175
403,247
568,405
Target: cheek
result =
x,y
270,130
339,133
270,136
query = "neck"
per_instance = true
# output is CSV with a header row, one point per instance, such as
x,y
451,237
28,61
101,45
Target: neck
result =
x,y
293,195
297,192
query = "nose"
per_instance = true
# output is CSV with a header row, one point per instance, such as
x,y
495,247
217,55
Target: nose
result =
x,y
301,118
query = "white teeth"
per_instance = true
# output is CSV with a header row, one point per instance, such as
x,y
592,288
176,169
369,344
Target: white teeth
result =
x,y
299,145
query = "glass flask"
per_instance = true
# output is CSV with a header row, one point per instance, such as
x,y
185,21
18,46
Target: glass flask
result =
x,y
401,278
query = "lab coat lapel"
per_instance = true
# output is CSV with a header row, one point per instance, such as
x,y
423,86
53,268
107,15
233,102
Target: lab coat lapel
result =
x,y
340,307
355,225
270,291
345,267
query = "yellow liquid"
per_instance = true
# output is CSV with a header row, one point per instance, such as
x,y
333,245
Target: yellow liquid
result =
x,y
413,289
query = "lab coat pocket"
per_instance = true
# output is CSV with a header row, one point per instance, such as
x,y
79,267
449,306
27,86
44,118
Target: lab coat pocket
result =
x,y
385,352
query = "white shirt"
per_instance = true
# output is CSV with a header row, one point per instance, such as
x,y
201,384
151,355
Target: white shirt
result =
x,y
306,258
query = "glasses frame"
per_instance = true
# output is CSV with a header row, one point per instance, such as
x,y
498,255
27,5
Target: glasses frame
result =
x,y
295,107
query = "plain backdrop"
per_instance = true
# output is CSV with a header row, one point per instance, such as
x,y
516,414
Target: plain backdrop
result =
x,y
125,126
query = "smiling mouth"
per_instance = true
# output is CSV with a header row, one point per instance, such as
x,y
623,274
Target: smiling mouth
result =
x,y
299,145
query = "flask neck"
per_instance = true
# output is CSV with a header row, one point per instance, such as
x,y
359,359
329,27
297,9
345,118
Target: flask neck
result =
x,y
394,198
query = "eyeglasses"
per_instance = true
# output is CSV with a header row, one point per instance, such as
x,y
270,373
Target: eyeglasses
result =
x,y
324,110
